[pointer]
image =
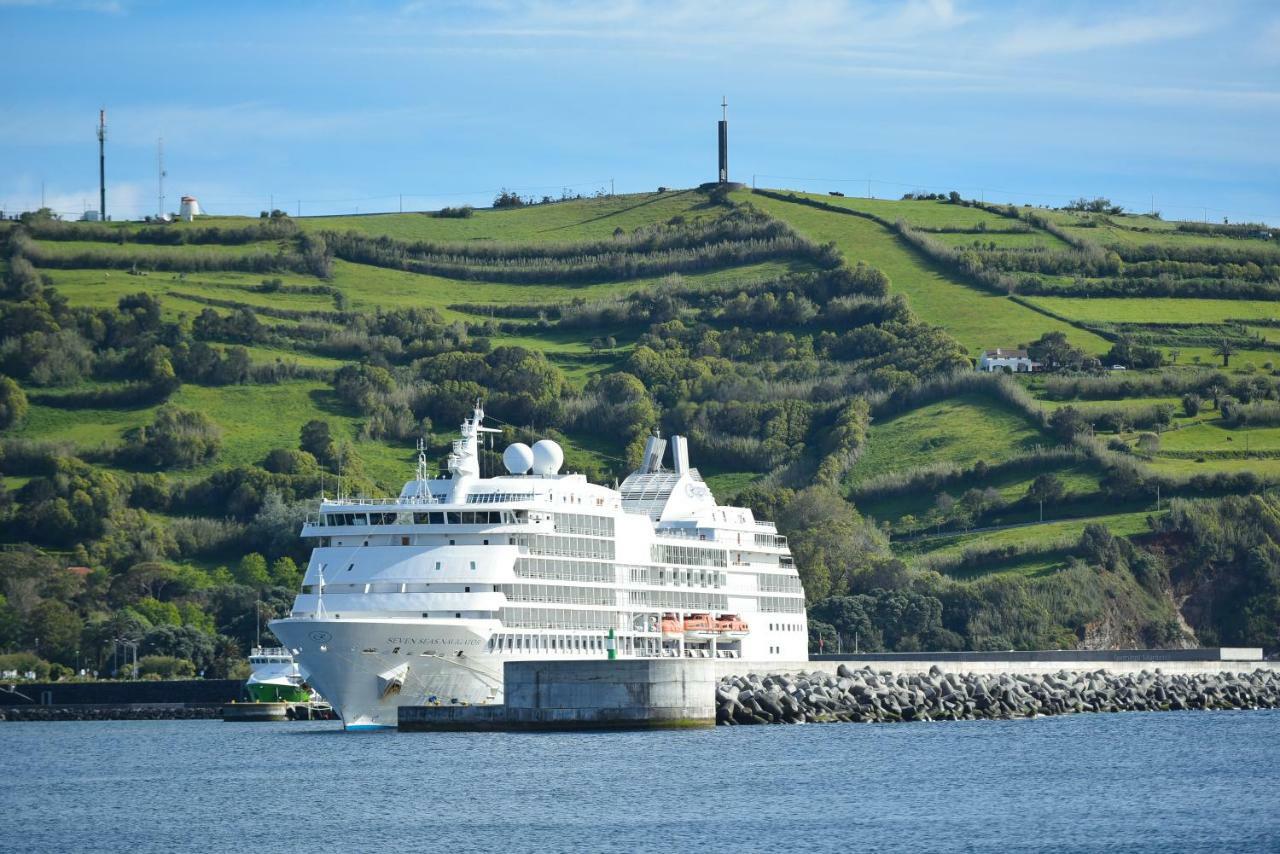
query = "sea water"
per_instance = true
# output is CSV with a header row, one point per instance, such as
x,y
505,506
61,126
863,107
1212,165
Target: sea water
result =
x,y
1190,781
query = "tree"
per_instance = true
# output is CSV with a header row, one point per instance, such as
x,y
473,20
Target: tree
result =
x,y
1148,443
315,438
284,573
1054,351
13,403
53,630
1067,422
252,571
1046,488
1226,350
176,438
1191,404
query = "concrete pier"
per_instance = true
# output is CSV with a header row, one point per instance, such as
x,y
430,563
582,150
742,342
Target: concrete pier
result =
x,y
619,694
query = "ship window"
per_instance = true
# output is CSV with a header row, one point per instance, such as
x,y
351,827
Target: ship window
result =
x,y
454,518
466,590
473,565
486,542
404,541
457,615
350,566
426,615
453,542
308,588
437,566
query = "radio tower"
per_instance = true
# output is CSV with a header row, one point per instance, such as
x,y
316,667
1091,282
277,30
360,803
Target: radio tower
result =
x,y
160,173
102,164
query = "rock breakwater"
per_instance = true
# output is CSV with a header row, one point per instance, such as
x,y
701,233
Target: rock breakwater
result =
x,y
107,713
871,696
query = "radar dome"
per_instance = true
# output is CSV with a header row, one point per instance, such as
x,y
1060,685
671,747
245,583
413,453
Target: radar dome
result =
x,y
517,458
547,457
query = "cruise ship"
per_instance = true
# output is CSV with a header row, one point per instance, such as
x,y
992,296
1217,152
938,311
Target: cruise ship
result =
x,y
421,599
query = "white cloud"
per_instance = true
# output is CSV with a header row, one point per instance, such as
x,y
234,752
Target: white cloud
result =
x,y
1065,36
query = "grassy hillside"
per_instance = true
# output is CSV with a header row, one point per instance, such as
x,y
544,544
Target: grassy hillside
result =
x,y
165,384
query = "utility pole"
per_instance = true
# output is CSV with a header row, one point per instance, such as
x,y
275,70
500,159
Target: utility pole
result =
x,y
271,203
611,186
299,207
402,203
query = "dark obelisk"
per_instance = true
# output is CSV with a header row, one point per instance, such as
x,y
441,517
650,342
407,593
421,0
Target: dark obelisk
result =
x,y
724,141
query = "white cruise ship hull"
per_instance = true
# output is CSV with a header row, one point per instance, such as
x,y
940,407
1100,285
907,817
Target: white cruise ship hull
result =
x,y
366,688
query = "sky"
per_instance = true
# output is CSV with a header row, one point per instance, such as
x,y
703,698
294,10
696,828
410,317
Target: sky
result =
x,y
327,108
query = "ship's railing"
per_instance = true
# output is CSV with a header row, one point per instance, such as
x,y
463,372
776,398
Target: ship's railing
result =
x,y
408,501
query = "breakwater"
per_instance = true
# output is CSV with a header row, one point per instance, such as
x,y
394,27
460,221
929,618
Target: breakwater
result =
x,y
109,712
867,695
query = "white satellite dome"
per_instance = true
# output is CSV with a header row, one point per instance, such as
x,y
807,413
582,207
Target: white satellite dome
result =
x,y
547,457
518,457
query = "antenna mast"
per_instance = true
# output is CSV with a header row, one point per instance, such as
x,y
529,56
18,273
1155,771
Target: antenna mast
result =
x,y
160,173
102,164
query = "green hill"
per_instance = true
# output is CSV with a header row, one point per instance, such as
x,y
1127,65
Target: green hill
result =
x,y
175,394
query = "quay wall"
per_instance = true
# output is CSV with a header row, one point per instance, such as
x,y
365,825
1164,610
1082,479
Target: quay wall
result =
x,y
619,694
196,692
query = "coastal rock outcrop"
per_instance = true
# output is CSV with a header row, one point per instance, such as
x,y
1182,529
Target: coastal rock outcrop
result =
x,y
870,696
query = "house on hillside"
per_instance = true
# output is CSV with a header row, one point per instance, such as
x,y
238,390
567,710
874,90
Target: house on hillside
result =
x,y
1017,361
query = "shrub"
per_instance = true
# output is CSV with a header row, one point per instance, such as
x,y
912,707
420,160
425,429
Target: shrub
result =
x,y
165,667
177,438
13,403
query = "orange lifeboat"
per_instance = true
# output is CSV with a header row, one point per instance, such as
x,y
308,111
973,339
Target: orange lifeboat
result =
x,y
671,625
731,626
699,627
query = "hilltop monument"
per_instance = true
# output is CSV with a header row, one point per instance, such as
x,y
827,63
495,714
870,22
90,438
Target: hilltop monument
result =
x,y
722,181
724,140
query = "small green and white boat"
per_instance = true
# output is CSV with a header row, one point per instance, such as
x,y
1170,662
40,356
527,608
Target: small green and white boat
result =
x,y
275,678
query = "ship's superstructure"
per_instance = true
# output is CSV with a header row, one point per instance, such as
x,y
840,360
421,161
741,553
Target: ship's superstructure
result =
x,y
420,599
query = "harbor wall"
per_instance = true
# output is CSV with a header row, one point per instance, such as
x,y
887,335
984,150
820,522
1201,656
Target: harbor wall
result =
x,y
200,692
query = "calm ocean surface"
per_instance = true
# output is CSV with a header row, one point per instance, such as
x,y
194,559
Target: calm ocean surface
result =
x,y
1199,781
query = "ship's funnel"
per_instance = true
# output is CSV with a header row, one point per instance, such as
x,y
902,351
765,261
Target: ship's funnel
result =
x,y
653,451
680,454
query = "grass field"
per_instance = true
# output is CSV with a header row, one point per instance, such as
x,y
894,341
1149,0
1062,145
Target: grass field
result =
x,y
65,248
369,287
1157,309
1120,524
104,288
1012,486
961,430
1031,240
979,319
931,214
577,220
